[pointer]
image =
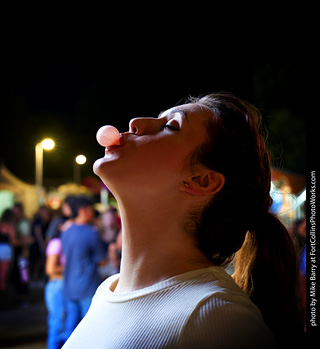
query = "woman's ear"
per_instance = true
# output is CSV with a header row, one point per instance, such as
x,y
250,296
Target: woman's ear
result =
x,y
204,182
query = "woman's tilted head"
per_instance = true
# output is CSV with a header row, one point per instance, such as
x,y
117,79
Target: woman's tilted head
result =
x,y
199,177
211,150
196,180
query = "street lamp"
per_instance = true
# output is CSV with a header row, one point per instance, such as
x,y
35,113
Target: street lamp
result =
x,y
79,160
46,144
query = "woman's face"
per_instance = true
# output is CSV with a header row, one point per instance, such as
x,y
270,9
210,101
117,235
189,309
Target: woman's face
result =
x,y
154,155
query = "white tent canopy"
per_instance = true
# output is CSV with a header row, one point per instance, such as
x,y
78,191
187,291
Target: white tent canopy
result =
x,y
23,192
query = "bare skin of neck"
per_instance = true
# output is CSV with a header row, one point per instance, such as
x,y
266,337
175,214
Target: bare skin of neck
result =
x,y
155,245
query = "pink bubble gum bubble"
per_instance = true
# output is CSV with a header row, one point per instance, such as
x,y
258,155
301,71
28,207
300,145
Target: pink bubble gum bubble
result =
x,y
108,136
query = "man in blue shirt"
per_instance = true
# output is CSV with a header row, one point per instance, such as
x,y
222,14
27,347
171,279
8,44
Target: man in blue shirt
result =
x,y
84,252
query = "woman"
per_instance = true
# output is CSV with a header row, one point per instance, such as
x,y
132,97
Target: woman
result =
x,y
193,189
54,291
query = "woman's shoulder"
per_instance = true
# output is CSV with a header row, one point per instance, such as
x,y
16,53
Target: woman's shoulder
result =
x,y
219,294
224,312
54,246
227,324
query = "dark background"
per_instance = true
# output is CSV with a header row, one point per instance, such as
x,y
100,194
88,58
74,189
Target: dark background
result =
x,y
69,99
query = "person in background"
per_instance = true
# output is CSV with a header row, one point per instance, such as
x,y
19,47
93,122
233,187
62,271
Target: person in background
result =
x,y
20,271
109,227
114,252
84,253
23,229
39,226
55,264
54,292
193,189
55,224
7,243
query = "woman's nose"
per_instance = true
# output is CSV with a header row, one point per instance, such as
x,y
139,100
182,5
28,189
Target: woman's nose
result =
x,y
141,126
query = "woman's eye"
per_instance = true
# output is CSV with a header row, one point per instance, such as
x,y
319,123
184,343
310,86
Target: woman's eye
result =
x,y
170,127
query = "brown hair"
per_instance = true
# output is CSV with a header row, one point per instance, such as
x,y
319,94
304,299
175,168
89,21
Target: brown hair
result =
x,y
238,217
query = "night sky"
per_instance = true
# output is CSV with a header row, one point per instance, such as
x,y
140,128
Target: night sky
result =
x,y
68,101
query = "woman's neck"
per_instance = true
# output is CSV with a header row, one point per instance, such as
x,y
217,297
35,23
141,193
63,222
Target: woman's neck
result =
x,y
155,248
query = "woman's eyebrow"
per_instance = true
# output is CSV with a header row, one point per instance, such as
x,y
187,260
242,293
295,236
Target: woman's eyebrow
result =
x,y
176,110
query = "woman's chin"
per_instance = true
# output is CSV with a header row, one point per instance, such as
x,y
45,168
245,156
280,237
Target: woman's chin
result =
x,y
103,168
97,166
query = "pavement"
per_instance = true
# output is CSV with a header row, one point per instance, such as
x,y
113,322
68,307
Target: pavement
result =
x,y
23,323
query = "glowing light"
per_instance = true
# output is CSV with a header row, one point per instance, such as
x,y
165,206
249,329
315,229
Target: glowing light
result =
x,y
47,144
81,159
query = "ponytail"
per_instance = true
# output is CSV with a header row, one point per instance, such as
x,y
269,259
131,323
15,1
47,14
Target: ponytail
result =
x,y
237,218
266,268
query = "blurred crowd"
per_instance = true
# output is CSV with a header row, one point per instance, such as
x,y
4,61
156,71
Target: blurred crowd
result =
x,y
298,234
68,252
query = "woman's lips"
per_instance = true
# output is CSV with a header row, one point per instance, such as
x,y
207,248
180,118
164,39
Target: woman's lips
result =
x,y
112,147
122,140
